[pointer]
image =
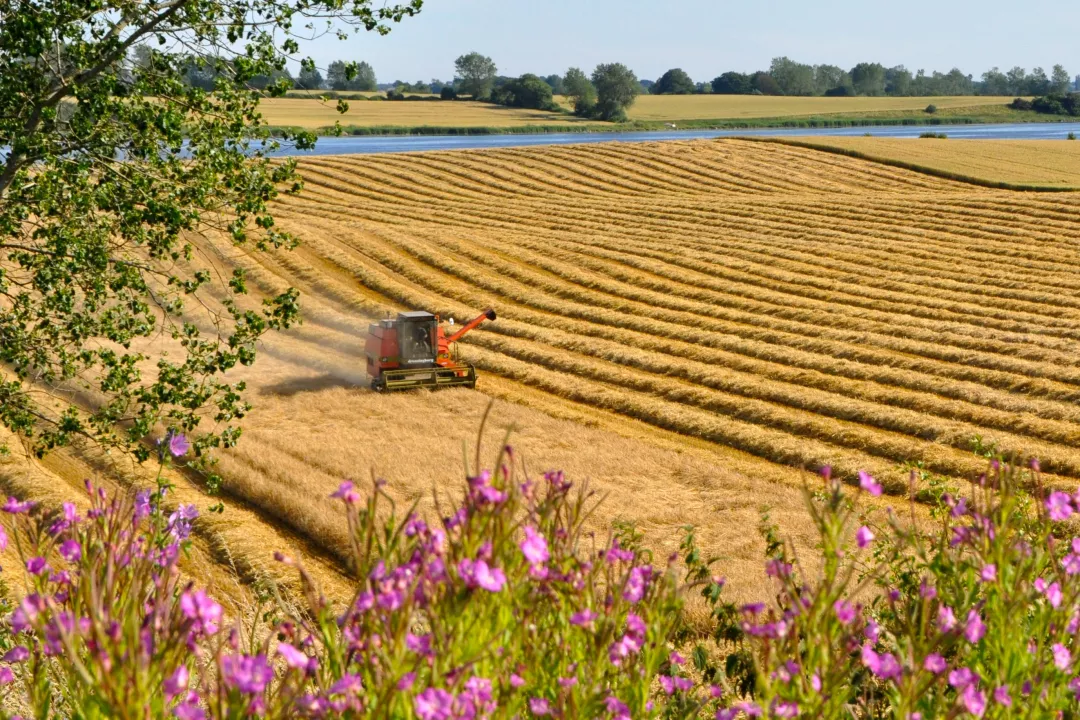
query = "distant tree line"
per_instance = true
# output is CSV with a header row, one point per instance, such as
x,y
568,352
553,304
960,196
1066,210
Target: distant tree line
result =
x,y
611,88
788,77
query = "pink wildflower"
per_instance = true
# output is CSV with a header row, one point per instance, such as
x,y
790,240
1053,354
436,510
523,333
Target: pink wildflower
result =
x,y
946,619
36,565
434,704
975,629
534,547
934,663
864,537
845,612
1062,656
962,677
247,673
989,573
177,683
178,444
71,551
296,659
974,700
346,493
477,573
1001,696
1059,505
539,706
869,484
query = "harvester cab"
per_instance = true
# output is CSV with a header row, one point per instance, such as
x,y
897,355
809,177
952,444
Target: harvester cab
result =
x,y
413,350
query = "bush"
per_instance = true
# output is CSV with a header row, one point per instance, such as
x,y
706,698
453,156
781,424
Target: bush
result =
x,y
395,94
934,136
448,93
1020,104
931,109
527,91
1071,136
1064,104
840,91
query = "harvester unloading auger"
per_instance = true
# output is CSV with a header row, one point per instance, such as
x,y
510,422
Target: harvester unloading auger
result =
x,y
413,351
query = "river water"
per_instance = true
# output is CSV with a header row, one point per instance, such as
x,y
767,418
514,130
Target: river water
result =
x,y
416,143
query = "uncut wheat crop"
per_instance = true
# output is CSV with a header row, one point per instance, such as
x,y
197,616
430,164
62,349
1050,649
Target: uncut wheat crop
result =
x,y
682,323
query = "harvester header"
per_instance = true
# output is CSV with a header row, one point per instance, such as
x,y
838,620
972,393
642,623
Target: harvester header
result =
x,y
413,350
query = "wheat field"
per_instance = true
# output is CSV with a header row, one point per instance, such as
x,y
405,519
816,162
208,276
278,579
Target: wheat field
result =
x,y
1041,163
712,107
680,323
692,328
313,113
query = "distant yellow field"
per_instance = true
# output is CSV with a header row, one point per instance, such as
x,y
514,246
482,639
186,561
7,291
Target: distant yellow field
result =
x,y
298,112
313,113
711,107
1017,162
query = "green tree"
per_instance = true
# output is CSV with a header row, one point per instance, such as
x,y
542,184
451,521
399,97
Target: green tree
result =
x,y
106,185
558,87
674,82
733,83
616,89
868,79
792,77
995,82
898,81
829,77
1017,78
336,77
477,74
309,79
766,84
1037,83
581,91
1059,80
528,91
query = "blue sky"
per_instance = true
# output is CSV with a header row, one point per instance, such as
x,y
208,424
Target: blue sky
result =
x,y
707,37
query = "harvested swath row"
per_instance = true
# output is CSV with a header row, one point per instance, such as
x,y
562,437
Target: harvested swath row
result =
x,y
679,330
916,424
960,437
938,307
606,173
835,375
852,265
714,164
783,170
656,305
761,298
705,320
720,273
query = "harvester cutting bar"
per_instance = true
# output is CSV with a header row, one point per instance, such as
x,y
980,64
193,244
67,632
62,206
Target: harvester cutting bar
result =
x,y
454,376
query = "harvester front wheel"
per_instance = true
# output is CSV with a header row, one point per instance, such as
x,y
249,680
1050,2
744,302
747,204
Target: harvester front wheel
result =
x,y
377,385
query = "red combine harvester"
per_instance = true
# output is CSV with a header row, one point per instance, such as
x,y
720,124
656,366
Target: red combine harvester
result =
x,y
413,351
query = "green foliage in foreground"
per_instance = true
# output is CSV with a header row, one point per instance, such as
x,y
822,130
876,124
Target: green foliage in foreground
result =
x,y
107,168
